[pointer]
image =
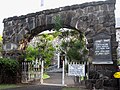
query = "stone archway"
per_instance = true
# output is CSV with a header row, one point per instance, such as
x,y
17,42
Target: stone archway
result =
x,y
93,19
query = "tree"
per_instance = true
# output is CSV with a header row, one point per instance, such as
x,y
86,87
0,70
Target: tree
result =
x,y
74,46
1,45
42,50
73,42
31,53
45,48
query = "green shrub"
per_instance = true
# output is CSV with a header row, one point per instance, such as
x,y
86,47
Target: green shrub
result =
x,y
8,70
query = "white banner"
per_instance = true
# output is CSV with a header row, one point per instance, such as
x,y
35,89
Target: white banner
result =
x,y
76,69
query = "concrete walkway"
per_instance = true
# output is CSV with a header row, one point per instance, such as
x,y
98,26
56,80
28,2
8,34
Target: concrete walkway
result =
x,y
56,78
37,87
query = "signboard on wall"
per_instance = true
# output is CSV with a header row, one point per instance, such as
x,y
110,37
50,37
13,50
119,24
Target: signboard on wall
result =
x,y
102,49
76,69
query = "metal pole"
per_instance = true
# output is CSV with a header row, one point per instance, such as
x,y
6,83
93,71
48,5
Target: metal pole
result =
x,y
63,73
42,68
58,56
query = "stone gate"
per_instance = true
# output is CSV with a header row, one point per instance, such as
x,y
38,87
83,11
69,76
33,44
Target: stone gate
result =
x,y
95,19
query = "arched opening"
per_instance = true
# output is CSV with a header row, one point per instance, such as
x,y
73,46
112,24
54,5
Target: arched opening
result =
x,y
70,46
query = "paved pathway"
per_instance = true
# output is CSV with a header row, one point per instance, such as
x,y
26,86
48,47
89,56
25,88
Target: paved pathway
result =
x,y
37,87
56,78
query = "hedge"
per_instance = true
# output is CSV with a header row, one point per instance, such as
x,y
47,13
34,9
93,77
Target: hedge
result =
x,y
8,70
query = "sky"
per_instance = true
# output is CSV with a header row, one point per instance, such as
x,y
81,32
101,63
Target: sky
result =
x,y
10,8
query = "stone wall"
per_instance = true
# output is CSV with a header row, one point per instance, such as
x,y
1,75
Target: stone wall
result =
x,y
90,18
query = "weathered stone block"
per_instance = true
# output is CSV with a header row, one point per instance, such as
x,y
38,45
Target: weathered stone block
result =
x,y
48,19
19,37
74,22
9,46
103,7
63,16
42,20
101,20
85,10
111,7
97,8
81,25
79,11
90,9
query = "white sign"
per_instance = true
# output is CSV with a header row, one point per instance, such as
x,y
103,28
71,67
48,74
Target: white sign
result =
x,y
76,69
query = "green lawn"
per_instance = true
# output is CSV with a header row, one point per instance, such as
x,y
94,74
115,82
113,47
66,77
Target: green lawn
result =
x,y
45,76
5,86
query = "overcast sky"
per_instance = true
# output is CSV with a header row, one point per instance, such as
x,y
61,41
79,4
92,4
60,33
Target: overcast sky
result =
x,y
10,8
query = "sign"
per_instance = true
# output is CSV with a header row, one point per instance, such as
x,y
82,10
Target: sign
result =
x,y
76,70
102,49
117,75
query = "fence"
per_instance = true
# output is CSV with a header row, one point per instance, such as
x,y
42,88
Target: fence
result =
x,y
30,71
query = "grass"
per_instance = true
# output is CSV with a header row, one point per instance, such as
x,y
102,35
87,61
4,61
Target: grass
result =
x,y
6,86
45,76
